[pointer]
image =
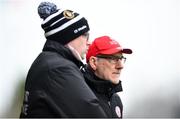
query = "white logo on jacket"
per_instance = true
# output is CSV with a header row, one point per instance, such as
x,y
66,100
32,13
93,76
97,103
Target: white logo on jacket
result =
x,y
118,111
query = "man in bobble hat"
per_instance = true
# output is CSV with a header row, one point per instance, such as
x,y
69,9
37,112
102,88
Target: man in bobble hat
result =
x,y
105,61
55,86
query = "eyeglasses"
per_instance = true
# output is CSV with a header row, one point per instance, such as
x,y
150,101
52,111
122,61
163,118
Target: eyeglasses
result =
x,y
112,58
86,35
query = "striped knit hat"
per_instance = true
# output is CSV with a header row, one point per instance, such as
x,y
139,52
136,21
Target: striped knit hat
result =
x,y
61,25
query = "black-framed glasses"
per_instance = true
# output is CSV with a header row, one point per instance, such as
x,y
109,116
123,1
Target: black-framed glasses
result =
x,y
86,35
113,58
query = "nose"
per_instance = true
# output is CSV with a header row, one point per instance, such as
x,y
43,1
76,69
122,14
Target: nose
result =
x,y
87,45
88,42
120,64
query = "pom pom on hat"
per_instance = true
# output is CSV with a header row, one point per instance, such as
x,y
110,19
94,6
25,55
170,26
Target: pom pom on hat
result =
x,y
45,9
61,25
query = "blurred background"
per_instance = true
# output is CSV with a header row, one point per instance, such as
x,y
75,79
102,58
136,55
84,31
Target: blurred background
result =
x,y
151,28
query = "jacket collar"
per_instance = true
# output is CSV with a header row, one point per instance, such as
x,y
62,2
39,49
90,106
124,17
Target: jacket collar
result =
x,y
65,52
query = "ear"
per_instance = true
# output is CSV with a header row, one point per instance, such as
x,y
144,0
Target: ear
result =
x,y
93,62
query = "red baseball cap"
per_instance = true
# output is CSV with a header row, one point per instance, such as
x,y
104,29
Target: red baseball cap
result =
x,y
105,45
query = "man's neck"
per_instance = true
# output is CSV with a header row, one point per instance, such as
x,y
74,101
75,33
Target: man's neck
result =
x,y
75,52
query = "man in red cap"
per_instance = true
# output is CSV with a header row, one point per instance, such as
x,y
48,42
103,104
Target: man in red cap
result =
x,y
105,61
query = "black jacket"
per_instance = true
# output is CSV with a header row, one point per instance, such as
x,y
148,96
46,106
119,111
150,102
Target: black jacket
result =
x,y
55,86
106,93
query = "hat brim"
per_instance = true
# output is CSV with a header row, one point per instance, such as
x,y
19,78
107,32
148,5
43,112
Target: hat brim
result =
x,y
127,51
116,50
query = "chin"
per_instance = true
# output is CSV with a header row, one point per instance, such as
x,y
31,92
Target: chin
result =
x,y
115,81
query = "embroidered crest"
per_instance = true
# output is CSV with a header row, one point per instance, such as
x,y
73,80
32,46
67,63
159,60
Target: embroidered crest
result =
x,y
68,14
